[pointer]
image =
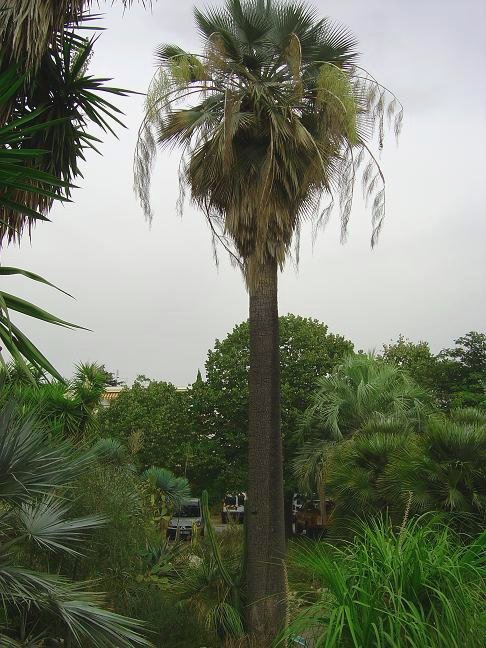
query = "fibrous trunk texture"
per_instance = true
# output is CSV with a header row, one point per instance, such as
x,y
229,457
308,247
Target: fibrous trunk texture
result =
x,y
264,514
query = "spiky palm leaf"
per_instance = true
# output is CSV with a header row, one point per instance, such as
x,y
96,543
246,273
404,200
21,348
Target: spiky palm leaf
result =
x,y
45,523
60,102
279,115
356,473
39,607
30,462
110,451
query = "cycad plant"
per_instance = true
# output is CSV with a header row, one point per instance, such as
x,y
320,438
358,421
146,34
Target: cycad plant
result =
x,y
272,114
40,608
416,586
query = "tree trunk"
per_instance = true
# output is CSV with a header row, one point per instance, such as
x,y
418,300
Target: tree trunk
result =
x,y
265,525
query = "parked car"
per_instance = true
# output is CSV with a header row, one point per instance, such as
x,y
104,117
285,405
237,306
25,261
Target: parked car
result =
x,y
233,508
186,521
308,519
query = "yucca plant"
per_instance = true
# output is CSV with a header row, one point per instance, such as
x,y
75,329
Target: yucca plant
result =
x,y
67,406
416,586
59,103
39,607
272,114
47,104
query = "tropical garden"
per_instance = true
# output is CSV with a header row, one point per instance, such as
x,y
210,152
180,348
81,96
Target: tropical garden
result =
x,y
275,120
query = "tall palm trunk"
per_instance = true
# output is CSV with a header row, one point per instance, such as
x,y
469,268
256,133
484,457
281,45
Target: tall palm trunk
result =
x,y
264,515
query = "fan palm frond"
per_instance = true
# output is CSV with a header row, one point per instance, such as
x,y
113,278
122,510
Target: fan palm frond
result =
x,y
174,489
365,391
45,523
110,451
31,462
270,117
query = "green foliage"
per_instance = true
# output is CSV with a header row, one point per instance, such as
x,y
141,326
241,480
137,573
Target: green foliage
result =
x,y
209,584
166,491
415,358
444,468
462,375
356,474
45,113
54,104
441,468
158,413
110,451
364,390
456,376
219,405
416,586
379,446
68,407
40,607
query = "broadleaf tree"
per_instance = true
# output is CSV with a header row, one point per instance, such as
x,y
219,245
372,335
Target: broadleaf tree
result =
x,y
272,115
219,404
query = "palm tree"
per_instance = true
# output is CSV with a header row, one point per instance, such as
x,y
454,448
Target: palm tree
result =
x,y
272,115
39,608
444,468
363,396
66,406
365,390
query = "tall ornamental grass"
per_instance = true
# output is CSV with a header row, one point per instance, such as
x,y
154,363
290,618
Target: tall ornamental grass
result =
x,y
416,586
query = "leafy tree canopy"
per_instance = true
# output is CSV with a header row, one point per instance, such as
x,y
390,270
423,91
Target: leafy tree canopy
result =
x,y
153,416
456,375
220,403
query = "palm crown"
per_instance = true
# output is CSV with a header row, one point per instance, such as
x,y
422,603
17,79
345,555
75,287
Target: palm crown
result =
x,y
278,109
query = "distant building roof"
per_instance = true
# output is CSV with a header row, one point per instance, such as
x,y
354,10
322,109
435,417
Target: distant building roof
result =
x,y
109,395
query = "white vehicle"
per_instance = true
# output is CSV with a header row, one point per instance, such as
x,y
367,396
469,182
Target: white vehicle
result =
x,y
233,508
186,521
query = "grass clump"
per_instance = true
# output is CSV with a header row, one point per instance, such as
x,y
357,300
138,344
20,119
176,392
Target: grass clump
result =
x,y
417,586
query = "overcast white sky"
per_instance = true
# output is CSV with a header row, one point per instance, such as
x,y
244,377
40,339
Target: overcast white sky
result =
x,y
153,297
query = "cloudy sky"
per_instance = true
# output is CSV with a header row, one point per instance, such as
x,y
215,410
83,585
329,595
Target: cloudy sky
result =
x,y
153,296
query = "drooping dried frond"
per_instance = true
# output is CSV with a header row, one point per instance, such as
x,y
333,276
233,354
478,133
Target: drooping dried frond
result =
x,y
271,117
28,27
